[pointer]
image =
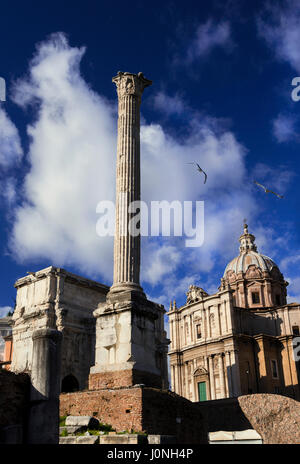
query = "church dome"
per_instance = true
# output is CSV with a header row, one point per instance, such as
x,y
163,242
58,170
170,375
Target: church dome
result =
x,y
249,256
244,260
254,279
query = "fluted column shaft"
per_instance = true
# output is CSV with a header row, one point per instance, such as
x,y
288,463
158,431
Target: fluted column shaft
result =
x,y
212,378
221,374
128,189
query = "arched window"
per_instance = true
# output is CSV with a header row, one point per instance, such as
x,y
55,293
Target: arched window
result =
x,y
69,384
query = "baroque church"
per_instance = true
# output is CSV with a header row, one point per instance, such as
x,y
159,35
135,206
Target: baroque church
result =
x,y
239,340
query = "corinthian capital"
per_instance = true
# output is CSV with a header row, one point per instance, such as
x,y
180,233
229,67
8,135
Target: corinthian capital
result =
x,y
130,84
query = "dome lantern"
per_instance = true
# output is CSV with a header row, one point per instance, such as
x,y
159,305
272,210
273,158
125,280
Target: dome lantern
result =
x,y
247,241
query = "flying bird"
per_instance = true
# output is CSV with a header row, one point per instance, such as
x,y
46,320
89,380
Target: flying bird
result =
x,y
200,170
267,190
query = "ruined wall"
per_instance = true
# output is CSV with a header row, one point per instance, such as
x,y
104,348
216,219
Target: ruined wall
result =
x,y
224,414
140,408
166,413
121,408
14,401
276,418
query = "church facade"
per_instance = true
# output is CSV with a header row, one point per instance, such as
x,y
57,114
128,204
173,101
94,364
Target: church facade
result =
x,y
239,340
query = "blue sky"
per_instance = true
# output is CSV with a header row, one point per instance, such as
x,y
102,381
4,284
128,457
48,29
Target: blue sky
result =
x,y
221,96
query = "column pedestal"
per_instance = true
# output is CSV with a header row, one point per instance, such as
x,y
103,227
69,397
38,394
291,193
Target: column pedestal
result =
x,y
126,346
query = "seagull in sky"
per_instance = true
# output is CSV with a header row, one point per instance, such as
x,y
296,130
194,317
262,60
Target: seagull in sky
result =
x,y
200,170
267,190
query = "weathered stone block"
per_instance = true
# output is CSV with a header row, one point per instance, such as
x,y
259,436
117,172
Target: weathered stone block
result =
x,y
71,429
126,439
85,440
161,439
82,421
67,440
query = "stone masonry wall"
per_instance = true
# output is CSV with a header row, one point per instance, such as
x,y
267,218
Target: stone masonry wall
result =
x,y
14,401
121,408
276,418
224,414
140,408
167,413
124,378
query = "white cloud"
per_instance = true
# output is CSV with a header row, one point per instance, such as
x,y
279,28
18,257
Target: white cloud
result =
x,y
169,105
72,157
161,261
72,167
284,128
208,36
167,175
10,146
4,310
281,31
288,261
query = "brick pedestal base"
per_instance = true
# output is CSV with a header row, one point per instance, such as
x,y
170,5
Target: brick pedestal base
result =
x,y
124,378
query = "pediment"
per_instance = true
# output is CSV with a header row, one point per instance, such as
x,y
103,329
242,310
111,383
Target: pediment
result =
x,y
197,318
200,371
252,272
254,282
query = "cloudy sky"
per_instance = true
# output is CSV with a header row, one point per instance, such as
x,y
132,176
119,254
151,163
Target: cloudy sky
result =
x,y
221,96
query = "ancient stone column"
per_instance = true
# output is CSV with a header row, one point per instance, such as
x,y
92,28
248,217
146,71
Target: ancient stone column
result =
x,y
128,180
130,338
43,423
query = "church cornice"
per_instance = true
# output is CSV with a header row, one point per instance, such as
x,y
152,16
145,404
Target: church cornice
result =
x,y
200,302
205,342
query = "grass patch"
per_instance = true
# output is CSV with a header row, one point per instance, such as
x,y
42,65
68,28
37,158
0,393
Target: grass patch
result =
x,y
62,421
106,427
131,432
91,432
64,433
102,428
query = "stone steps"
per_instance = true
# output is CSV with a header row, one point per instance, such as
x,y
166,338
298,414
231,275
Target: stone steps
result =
x,y
77,424
117,439
82,440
